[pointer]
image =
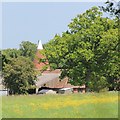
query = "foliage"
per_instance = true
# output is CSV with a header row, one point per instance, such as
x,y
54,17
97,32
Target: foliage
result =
x,y
98,83
18,72
28,49
88,52
44,68
19,75
7,54
112,7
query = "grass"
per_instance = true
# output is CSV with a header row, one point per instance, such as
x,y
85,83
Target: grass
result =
x,y
89,105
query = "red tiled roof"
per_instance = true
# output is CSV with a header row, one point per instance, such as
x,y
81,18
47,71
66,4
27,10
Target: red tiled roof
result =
x,y
39,65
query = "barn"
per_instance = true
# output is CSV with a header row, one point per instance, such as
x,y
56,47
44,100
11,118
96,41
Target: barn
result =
x,y
49,79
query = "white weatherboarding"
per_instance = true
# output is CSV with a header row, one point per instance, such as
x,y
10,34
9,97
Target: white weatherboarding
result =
x,y
40,47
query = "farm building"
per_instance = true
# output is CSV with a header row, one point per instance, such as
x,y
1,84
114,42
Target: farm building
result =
x,y
49,79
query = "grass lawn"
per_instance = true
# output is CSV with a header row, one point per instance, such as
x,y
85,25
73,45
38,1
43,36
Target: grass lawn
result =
x,y
89,105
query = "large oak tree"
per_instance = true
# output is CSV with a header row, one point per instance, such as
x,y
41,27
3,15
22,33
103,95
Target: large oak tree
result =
x,y
88,52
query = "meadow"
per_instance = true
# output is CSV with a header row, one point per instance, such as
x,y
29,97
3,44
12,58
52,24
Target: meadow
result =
x,y
89,105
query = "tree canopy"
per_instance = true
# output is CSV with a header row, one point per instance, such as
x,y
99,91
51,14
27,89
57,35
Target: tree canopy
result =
x,y
28,49
7,54
88,52
19,75
112,7
18,68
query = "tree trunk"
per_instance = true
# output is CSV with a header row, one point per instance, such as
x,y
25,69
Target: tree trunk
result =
x,y
87,80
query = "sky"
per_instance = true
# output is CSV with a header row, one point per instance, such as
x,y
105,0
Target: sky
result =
x,y
33,21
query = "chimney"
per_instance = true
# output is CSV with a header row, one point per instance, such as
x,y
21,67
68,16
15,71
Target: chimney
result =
x,y
40,47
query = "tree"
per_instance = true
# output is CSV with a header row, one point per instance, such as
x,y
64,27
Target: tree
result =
x,y
112,7
88,53
19,75
7,54
28,49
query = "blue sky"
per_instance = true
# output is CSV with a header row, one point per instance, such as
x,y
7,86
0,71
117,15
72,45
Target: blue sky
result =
x,y
35,21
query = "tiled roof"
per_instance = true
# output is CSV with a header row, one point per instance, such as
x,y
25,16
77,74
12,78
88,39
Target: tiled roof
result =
x,y
52,80
45,78
39,65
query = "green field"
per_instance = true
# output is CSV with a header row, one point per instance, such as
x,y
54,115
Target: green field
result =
x,y
89,105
